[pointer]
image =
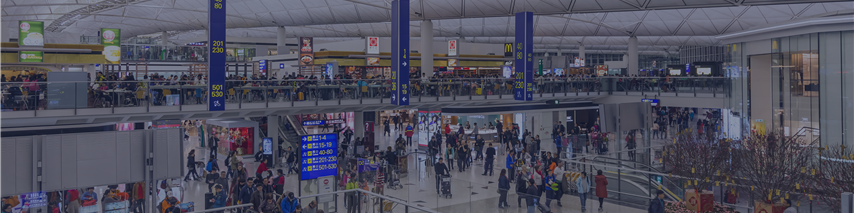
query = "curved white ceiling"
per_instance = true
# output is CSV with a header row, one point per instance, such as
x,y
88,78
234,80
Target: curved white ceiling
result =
x,y
558,22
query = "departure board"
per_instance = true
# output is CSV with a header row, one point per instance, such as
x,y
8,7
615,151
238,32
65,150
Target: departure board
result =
x,y
318,156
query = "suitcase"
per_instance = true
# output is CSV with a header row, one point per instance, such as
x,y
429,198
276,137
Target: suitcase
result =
x,y
543,208
301,96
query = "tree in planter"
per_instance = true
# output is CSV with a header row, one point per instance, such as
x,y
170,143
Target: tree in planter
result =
x,y
835,175
702,161
772,165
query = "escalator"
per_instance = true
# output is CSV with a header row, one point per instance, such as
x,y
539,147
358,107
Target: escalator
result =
x,y
629,183
671,189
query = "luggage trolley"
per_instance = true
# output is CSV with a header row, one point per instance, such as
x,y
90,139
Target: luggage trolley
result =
x,y
446,186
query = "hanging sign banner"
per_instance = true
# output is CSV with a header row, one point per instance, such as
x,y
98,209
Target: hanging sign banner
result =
x,y
31,56
523,85
452,48
306,51
31,33
400,52
111,39
373,46
216,48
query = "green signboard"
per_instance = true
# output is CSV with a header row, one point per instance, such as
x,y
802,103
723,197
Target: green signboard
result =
x,y
31,56
30,33
540,69
111,39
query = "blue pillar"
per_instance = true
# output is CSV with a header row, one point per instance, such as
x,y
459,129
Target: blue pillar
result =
x,y
400,52
524,86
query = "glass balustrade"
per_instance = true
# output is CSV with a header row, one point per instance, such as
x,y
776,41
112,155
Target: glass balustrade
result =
x,y
27,96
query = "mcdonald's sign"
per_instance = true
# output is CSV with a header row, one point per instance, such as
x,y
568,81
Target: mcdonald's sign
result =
x,y
508,49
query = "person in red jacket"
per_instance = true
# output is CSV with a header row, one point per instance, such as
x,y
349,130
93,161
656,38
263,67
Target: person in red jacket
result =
x,y
447,129
261,168
601,187
409,132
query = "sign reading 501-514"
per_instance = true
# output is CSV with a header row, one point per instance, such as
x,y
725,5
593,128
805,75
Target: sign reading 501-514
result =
x,y
216,48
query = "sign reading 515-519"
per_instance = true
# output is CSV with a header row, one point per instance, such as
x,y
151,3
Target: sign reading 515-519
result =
x,y
216,61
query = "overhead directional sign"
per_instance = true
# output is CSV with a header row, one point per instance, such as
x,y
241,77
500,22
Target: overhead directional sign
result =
x,y
400,52
319,156
524,85
216,61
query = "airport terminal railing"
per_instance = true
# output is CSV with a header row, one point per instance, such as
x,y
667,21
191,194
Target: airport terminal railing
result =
x,y
142,96
177,53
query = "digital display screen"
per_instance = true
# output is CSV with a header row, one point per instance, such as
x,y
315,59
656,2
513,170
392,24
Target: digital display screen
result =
x,y
319,156
675,72
267,145
704,71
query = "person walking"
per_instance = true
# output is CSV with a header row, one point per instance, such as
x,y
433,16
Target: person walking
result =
x,y
521,187
261,168
387,128
231,163
289,204
211,179
191,166
219,197
291,157
409,132
583,185
449,154
601,187
503,188
489,162
657,204
790,209
511,161
531,194
441,171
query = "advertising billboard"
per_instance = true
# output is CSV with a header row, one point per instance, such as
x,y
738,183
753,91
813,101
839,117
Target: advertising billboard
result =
x,y
452,48
452,62
306,51
111,39
31,56
373,46
372,61
428,123
31,33
508,49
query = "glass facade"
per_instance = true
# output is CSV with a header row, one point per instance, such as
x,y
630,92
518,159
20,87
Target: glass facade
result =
x,y
803,85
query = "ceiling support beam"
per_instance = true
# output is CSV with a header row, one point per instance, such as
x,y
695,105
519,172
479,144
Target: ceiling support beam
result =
x,y
639,23
798,15
685,20
735,19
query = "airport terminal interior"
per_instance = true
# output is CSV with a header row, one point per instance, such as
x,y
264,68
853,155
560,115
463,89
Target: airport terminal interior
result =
x,y
451,106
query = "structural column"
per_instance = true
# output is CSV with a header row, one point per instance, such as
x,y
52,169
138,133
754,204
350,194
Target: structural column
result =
x,y
633,56
427,48
280,41
273,132
164,37
581,54
260,50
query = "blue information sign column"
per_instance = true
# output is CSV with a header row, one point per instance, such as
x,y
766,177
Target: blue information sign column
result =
x,y
400,52
523,48
318,156
216,55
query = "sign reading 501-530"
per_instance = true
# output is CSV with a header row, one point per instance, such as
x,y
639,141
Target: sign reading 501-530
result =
x,y
216,61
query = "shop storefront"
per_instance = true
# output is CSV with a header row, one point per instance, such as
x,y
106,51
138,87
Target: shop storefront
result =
x,y
327,122
234,136
584,119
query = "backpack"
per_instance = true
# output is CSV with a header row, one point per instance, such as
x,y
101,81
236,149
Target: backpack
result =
x,y
209,167
227,161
